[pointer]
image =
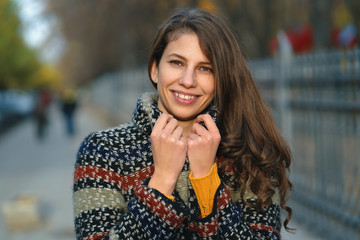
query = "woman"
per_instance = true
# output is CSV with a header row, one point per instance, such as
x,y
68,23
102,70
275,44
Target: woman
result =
x,y
201,159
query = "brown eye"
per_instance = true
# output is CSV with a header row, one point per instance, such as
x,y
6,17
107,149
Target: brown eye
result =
x,y
206,69
176,62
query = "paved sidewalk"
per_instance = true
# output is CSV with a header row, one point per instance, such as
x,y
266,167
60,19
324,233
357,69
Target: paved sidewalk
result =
x,y
45,170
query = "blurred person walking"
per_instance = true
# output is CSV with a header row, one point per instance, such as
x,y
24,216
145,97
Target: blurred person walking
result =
x,y
201,158
43,101
68,108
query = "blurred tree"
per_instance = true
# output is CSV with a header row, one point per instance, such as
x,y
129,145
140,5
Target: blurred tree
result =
x,y
254,22
106,35
46,76
17,61
208,5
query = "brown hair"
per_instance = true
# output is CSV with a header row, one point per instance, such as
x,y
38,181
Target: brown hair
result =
x,y
250,141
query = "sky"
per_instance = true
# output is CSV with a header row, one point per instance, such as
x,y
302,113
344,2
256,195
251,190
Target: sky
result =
x,y
37,28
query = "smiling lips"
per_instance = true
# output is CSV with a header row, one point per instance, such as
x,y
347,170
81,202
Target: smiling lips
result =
x,y
184,98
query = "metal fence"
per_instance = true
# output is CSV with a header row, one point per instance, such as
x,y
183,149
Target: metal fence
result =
x,y
315,101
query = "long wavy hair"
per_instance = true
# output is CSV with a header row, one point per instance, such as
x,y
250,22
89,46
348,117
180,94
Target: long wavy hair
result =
x,y
250,141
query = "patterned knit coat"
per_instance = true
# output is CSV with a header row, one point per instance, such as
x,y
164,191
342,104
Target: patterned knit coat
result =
x,y
112,199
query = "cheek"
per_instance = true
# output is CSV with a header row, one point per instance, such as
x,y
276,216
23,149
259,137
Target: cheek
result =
x,y
209,86
166,77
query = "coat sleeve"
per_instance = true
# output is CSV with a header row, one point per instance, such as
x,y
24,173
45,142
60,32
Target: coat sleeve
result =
x,y
101,210
235,220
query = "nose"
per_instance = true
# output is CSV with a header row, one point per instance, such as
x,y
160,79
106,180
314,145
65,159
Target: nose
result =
x,y
188,79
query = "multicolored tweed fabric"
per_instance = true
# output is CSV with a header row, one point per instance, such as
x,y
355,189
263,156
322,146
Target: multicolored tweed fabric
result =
x,y
112,199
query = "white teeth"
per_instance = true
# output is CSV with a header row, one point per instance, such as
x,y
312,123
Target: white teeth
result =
x,y
186,97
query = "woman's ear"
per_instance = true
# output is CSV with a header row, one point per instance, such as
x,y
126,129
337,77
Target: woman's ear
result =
x,y
154,73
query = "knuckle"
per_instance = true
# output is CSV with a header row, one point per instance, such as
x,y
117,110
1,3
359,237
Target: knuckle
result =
x,y
218,137
182,144
208,138
163,137
153,136
172,140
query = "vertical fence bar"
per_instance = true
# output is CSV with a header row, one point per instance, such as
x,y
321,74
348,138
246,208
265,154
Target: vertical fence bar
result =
x,y
322,96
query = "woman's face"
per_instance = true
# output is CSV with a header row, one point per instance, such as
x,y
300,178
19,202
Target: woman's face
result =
x,y
184,77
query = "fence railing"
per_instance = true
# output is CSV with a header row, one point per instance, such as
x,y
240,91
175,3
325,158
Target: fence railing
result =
x,y
315,100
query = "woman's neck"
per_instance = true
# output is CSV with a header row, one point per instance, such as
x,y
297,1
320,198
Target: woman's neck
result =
x,y
186,125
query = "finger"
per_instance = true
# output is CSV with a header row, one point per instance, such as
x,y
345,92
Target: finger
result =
x,y
199,129
177,133
170,127
183,139
192,138
209,122
161,122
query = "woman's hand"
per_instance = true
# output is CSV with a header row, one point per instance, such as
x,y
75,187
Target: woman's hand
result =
x,y
169,153
202,145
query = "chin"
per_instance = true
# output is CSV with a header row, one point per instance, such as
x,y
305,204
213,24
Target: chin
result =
x,y
184,118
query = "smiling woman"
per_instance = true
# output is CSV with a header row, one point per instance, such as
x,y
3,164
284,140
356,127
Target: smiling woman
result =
x,y
200,159
184,80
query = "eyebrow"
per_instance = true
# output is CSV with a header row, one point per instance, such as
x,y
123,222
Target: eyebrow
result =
x,y
184,58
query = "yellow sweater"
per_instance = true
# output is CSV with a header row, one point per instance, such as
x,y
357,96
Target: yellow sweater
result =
x,y
205,189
